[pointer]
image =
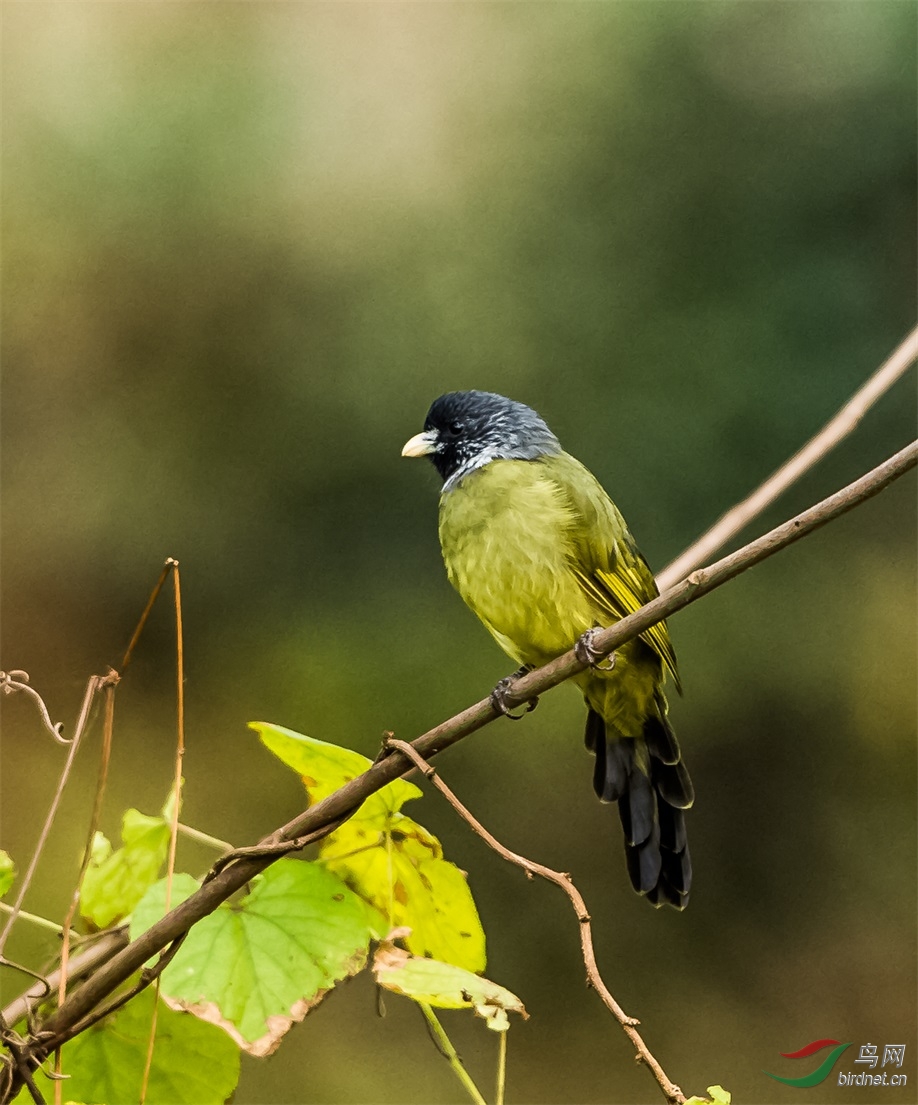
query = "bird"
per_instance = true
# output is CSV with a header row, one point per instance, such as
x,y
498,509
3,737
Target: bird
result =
x,y
537,549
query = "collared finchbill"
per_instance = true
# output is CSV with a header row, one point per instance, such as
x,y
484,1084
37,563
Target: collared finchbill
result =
x,y
421,445
541,554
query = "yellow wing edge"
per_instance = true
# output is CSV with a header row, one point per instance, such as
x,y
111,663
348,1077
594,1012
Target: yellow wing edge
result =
x,y
620,593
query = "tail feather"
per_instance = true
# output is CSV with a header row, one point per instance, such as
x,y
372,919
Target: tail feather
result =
x,y
647,778
645,863
672,783
612,770
660,738
672,828
638,808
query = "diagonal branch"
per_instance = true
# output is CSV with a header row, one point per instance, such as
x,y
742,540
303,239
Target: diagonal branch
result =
x,y
835,430
83,963
326,814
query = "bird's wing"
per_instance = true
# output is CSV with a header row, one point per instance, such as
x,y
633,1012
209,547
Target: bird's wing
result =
x,y
624,589
606,561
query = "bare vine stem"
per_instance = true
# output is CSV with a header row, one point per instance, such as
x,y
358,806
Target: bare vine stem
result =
x,y
18,681
95,684
448,1051
670,1090
176,798
104,760
12,681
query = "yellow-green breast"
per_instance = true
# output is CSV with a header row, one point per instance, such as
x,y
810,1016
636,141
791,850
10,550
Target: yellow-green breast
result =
x,y
506,535
514,535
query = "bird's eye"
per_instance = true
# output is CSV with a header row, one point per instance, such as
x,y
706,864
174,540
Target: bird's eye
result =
x,y
454,429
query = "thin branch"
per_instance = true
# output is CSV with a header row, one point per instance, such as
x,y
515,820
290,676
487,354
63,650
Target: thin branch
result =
x,y
670,1090
18,681
324,815
704,580
834,431
42,922
20,1051
95,684
168,566
147,976
180,730
104,760
176,801
83,963
204,838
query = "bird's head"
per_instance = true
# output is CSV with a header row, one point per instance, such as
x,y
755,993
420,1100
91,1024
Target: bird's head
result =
x,y
465,430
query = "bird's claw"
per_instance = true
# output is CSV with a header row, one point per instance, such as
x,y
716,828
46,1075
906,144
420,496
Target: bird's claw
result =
x,y
587,653
502,692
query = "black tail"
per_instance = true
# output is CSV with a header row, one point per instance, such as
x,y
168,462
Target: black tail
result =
x,y
647,778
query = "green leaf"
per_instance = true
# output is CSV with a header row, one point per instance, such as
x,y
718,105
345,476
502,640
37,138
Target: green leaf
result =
x,y
398,867
193,1062
443,985
257,966
7,872
325,768
116,881
152,906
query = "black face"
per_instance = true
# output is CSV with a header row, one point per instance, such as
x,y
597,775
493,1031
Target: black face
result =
x,y
474,427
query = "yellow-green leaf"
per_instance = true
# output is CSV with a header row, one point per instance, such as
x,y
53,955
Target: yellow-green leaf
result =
x,y
325,768
386,858
443,985
7,872
719,1096
116,881
398,867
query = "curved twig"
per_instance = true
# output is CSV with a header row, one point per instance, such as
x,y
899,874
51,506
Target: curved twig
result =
x,y
12,681
670,1090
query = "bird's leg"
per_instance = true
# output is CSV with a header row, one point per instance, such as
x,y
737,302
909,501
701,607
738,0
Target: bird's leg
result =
x,y
586,652
504,688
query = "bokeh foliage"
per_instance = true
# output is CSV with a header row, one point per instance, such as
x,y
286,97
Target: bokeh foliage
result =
x,y
243,248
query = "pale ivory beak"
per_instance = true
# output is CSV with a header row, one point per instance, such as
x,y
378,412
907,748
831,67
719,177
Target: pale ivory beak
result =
x,y
421,445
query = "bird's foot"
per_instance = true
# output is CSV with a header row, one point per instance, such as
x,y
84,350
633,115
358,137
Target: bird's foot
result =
x,y
504,690
587,653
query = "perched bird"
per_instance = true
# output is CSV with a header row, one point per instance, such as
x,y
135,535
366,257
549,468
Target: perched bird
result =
x,y
542,555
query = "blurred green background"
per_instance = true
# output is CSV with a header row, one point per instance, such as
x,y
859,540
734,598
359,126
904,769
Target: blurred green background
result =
x,y
245,245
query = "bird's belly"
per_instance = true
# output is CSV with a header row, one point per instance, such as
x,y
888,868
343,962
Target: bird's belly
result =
x,y
506,554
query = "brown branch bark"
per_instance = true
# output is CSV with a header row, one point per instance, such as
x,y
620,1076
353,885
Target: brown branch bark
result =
x,y
83,963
